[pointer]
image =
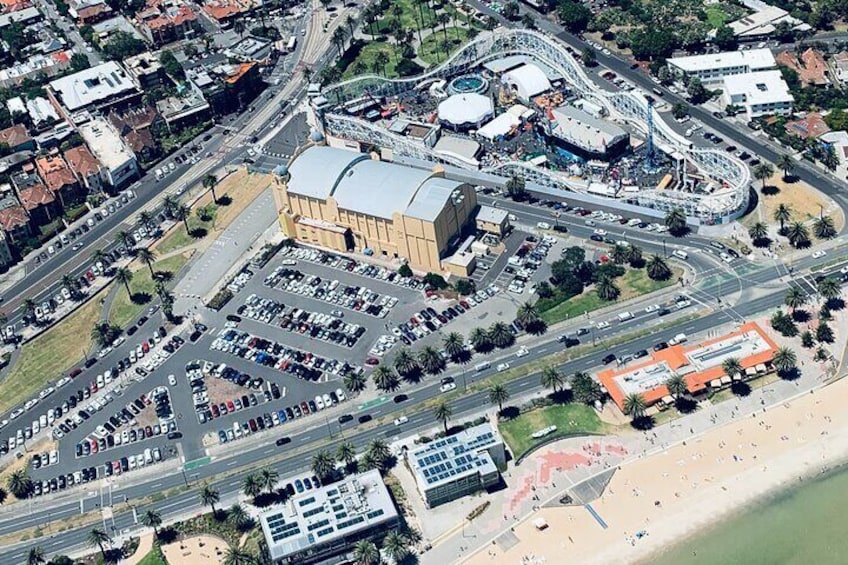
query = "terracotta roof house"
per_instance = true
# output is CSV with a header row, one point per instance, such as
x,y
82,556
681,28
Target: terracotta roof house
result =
x,y
224,11
85,167
17,138
60,180
810,126
134,127
40,203
94,13
14,221
163,21
811,68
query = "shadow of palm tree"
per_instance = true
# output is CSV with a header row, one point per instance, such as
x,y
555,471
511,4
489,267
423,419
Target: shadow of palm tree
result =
x,y
643,423
685,405
770,190
740,388
801,316
140,297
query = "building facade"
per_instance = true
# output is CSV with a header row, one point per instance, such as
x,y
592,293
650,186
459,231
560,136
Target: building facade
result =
x,y
119,165
760,94
711,69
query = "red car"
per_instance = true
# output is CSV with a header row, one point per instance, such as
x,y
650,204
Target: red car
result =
x,y
252,424
215,412
230,406
94,446
304,407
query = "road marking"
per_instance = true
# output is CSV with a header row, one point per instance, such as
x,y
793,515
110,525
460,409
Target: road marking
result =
x,y
304,438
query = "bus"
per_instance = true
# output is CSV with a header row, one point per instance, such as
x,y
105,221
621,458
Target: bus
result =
x,y
291,44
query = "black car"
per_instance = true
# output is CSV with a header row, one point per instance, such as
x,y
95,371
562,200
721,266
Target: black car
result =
x,y
175,435
641,353
233,318
283,441
663,312
142,321
365,418
608,359
582,331
660,346
400,398
345,418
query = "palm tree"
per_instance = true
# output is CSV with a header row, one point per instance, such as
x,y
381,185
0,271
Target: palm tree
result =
x,y
338,39
152,519
443,414
431,360
527,314
824,227
795,298
620,253
782,214
758,232
365,553
396,545
209,182
144,219
385,378
784,360
97,538
346,453
251,486
498,394
444,18
381,59
355,382
69,282
500,335
28,307
676,385
236,556
657,268
480,340
798,234
124,238
124,276
675,221
405,362
237,516
634,255
786,165
182,213
19,484
634,405
350,22
209,497
454,345
239,27
731,367
170,204
99,256
379,452
606,289
36,556
586,389
763,172
829,288
148,256
268,478
552,378
323,465
516,187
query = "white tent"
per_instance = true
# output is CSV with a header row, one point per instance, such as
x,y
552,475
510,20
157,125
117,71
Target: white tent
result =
x,y
527,81
465,110
499,126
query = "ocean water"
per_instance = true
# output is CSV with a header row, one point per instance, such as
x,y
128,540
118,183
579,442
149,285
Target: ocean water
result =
x,y
804,525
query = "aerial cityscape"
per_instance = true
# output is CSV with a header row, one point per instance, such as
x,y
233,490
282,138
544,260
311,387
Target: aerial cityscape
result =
x,y
423,281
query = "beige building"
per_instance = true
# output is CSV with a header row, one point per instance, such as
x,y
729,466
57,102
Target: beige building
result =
x,y
493,220
348,201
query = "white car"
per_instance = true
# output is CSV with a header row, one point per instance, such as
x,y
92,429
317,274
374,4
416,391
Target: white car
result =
x,y
446,387
543,225
172,380
401,420
819,254
652,308
602,325
522,351
502,367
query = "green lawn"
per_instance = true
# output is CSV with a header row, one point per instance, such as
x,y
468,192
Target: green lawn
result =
x,y
124,310
178,238
365,63
435,49
155,557
49,355
569,419
410,17
633,283
716,16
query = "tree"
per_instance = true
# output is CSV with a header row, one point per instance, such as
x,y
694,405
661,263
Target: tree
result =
x,y
381,59
148,256
355,382
152,519
124,276
182,213
125,239
498,394
516,188
606,289
763,172
443,18
725,38
697,93
405,363
36,556
620,253
79,62
574,16
209,497
28,308
379,453
795,298
786,165
172,66
588,56
675,221
824,227
431,360
731,367
210,181
323,465
823,334
676,385
435,281
170,205
782,214
784,360
396,545
365,553
385,378
3,495
236,556
350,22
500,335
758,233
798,234
237,516
528,21
465,286
68,281
657,268
807,339
19,484
652,43
98,538
586,389
480,340
552,378
251,486
346,454
122,45
338,39
443,413
527,314
784,324
239,27
104,334
829,288
454,345
405,271
679,111
634,405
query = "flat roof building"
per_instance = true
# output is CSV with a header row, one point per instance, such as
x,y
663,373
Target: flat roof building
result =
x,y
323,523
586,136
711,68
492,220
119,164
346,201
455,466
761,94
94,86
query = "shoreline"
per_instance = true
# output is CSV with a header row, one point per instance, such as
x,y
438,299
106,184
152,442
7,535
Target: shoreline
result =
x,y
723,473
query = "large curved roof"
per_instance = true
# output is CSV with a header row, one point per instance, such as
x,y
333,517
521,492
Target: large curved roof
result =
x,y
528,81
316,171
466,109
379,189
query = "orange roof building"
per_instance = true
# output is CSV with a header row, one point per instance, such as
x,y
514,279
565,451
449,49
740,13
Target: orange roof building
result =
x,y
699,365
224,11
810,126
36,196
55,172
811,67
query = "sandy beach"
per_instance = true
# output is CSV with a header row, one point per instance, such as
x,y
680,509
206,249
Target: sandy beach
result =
x,y
657,500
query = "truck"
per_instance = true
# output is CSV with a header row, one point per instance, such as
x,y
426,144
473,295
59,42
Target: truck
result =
x,y
291,44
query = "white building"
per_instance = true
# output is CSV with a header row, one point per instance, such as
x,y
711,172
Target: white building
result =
x,y
711,69
527,82
761,94
764,21
119,162
94,86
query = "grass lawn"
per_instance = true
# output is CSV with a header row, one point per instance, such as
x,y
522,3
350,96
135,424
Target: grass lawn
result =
x,y
50,354
410,17
155,557
124,310
716,16
633,283
368,56
433,49
568,418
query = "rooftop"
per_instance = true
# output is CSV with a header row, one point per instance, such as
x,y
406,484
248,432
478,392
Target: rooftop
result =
x,y
585,130
13,217
92,85
82,161
754,60
467,109
763,87
379,189
316,171
811,67
492,215
528,80
14,136
105,143
449,458
328,514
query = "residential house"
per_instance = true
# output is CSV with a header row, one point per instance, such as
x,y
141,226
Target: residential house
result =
x,y
39,202
90,12
107,28
58,178
228,87
810,126
17,138
42,112
48,65
135,126
164,21
85,167
145,70
811,67
189,108
24,17
225,11
8,6
840,66
14,222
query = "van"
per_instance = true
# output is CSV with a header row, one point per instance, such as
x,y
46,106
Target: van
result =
x,y
633,222
624,316
482,366
678,339
680,254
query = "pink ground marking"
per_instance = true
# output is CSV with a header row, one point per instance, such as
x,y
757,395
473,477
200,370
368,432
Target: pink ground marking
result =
x,y
619,450
564,461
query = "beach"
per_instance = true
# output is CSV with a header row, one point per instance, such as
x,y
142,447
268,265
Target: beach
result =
x,y
664,496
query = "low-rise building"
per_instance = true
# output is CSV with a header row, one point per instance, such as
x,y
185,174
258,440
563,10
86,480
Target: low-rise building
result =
x,y
810,126
135,127
58,178
250,49
227,87
101,86
37,65
840,66
104,30
810,66
187,109
322,525
119,164
40,204
584,135
145,70
14,222
764,21
711,68
458,465
42,112
761,94
85,167
24,17
225,11
17,138
164,21
88,12
493,220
